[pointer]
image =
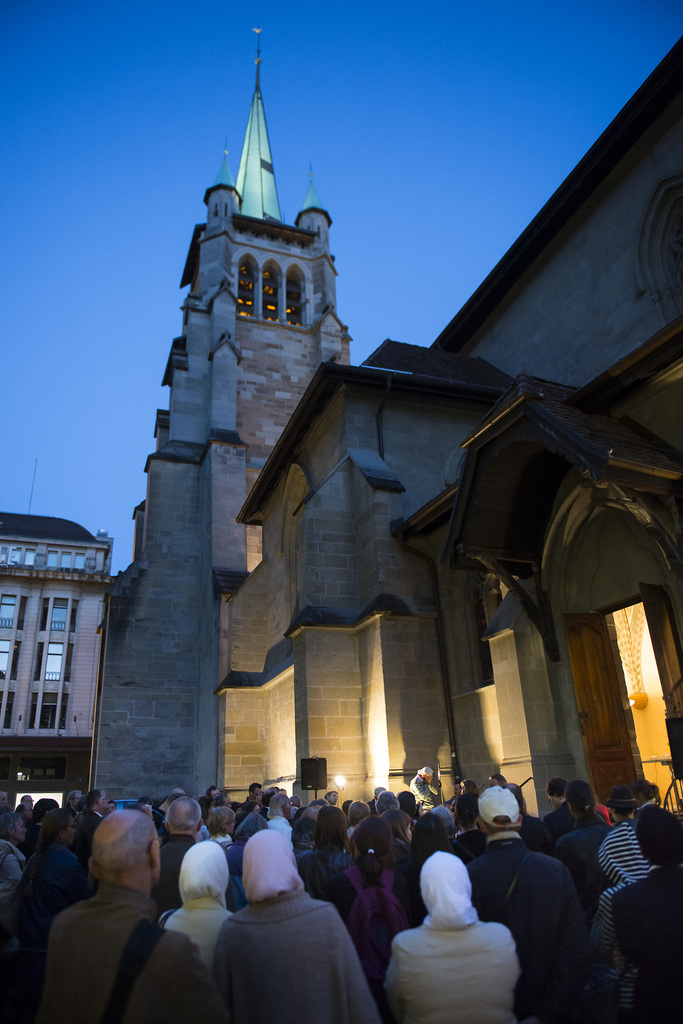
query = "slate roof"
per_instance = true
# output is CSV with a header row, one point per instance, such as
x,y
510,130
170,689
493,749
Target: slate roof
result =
x,y
430,362
42,527
610,439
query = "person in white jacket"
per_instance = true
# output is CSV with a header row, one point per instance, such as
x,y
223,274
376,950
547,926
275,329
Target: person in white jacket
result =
x,y
279,815
452,934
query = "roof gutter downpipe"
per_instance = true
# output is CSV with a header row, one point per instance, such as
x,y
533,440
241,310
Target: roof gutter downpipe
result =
x,y
445,677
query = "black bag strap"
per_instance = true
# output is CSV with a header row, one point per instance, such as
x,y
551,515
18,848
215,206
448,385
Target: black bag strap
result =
x,y
136,952
513,883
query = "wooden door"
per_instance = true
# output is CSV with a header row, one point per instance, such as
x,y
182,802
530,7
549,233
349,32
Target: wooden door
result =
x,y
666,645
603,723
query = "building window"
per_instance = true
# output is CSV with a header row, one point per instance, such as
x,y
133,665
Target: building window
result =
x,y
65,561
270,290
41,769
53,662
245,289
39,661
79,560
67,663
293,298
63,709
9,704
48,711
59,609
15,659
4,658
3,556
15,556
22,612
30,556
7,605
74,610
34,711
52,559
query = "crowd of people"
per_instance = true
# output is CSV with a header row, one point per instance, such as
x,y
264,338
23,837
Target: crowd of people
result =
x,y
260,910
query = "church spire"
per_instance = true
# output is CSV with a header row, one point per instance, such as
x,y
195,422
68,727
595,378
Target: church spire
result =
x,y
256,177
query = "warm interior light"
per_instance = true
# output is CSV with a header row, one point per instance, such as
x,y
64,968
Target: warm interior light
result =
x,y
638,701
339,780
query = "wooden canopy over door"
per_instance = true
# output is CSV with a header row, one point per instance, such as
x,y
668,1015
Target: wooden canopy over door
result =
x,y
605,736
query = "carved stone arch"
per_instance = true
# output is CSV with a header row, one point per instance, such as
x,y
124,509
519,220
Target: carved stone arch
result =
x,y
247,284
291,540
271,290
661,249
296,288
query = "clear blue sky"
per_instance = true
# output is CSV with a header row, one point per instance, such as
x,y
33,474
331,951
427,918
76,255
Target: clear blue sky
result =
x,y
436,133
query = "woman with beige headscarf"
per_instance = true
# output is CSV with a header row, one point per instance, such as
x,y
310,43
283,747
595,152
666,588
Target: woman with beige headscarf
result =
x,y
203,880
283,927
452,933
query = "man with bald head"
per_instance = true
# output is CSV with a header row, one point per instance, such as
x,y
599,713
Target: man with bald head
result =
x,y
94,938
183,822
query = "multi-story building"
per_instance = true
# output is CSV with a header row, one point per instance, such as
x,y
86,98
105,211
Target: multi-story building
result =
x,y
53,579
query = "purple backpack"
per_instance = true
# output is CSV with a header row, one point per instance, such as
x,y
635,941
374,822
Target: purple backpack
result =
x,y
375,917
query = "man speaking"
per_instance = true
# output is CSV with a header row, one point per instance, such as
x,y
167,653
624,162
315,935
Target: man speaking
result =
x,y
422,789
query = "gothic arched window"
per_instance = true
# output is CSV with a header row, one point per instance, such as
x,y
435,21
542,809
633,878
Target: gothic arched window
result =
x,y
294,290
245,287
270,289
661,249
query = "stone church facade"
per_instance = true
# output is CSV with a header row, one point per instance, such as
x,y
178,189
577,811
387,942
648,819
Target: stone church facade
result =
x,y
468,554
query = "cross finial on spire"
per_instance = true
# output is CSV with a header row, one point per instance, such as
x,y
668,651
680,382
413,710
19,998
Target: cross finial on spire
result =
x,y
225,151
310,168
258,32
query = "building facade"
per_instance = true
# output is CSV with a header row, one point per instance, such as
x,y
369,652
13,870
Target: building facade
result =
x,y
468,555
54,576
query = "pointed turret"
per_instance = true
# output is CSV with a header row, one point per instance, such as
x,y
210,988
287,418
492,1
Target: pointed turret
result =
x,y
221,199
256,177
224,177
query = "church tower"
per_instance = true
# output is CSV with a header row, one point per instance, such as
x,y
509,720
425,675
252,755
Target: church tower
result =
x,y
259,318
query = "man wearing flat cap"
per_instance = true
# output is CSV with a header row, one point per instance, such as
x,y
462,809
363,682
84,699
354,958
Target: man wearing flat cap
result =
x,y
422,789
533,895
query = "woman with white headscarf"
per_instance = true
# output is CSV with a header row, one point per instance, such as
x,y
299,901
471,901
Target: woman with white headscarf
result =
x,y
204,877
285,928
451,935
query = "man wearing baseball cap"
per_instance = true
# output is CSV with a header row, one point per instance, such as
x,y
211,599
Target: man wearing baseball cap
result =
x,y
533,895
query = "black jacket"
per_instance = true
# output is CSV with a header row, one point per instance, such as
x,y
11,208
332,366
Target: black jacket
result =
x,y
82,845
544,916
535,835
578,850
166,893
559,822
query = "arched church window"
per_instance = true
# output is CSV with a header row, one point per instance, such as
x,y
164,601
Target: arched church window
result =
x,y
270,293
245,288
293,298
661,249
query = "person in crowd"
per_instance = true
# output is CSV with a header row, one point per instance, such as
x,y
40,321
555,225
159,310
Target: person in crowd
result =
x,y
496,779
221,825
205,805
401,825
254,792
330,853
559,821
52,881
303,831
645,794
534,896
358,811
12,863
648,920
386,801
284,926
470,835
295,802
72,801
535,835
445,816
250,807
372,804
452,934
279,815
40,809
183,822
204,878
422,788
249,827
90,938
372,899
96,809
332,797
429,836
623,863
469,786
578,849
408,803
266,796
212,792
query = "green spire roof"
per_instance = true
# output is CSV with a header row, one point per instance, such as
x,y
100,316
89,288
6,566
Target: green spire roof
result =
x,y
256,177
311,199
224,177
